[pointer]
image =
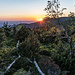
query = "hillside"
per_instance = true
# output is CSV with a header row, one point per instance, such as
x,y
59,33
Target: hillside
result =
x,y
64,20
52,47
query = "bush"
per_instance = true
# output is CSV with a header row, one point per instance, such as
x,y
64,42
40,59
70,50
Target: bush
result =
x,y
62,57
22,34
30,47
2,37
22,72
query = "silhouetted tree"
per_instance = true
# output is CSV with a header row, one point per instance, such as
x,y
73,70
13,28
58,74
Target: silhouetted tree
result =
x,y
2,37
7,31
72,14
54,12
53,9
14,30
5,25
22,34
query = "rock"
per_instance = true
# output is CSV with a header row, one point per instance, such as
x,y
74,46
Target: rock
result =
x,y
48,66
1,73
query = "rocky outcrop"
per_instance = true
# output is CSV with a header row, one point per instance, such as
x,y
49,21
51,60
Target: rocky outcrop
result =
x,y
1,73
48,66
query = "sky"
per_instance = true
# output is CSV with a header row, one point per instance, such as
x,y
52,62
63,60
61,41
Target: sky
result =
x,y
29,10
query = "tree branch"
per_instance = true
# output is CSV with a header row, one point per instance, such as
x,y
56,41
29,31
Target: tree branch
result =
x,y
38,67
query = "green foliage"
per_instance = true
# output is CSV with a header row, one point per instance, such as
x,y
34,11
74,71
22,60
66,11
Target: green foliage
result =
x,y
13,52
60,53
7,31
10,42
20,63
30,47
2,37
73,37
22,72
47,47
22,34
14,30
62,58
51,44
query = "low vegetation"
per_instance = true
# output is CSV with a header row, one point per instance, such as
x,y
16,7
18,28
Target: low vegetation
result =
x,y
51,43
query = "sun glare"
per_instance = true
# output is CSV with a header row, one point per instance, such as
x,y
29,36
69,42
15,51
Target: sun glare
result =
x,y
41,19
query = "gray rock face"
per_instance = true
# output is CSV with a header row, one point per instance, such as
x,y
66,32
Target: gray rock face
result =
x,y
48,66
1,73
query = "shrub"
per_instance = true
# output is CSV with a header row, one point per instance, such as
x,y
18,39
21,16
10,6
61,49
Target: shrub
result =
x,y
22,72
62,57
22,34
30,47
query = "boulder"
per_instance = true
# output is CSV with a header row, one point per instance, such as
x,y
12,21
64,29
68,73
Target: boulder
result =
x,y
48,66
1,73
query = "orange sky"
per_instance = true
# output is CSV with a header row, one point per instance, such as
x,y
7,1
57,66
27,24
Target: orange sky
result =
x,y
21,18
29,10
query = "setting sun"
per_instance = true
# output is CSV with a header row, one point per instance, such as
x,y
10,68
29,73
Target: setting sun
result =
x,y
41,19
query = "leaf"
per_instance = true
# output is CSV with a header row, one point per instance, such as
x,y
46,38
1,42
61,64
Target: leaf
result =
x,y
64,9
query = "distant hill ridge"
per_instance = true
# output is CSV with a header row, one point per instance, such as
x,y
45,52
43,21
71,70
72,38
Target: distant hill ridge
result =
x,y
39,24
